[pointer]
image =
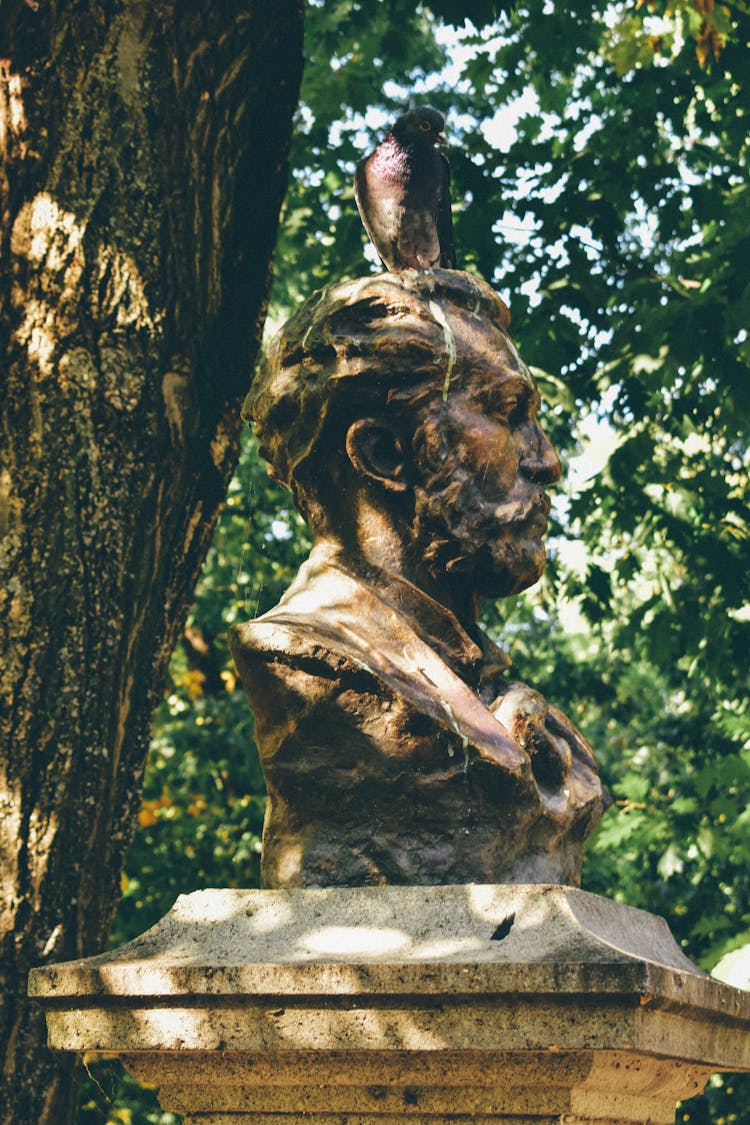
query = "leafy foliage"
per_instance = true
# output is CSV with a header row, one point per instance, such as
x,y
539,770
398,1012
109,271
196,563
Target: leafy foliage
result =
x,y
616,216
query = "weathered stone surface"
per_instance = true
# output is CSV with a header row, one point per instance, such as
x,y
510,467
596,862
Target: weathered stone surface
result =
x,y
523,1003
396,748
526,1086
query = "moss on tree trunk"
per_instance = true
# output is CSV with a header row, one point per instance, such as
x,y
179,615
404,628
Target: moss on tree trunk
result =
x,y
143,160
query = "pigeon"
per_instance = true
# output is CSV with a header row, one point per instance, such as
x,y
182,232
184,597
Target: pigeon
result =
x,y
403,194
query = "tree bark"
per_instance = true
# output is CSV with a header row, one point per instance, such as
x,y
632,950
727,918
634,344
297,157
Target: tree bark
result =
x,y
143,161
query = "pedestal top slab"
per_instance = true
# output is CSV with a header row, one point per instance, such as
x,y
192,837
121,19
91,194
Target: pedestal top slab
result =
x,y
456,940
424,975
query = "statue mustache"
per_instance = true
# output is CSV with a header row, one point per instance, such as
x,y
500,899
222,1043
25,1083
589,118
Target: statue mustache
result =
x,y
480,515
519,511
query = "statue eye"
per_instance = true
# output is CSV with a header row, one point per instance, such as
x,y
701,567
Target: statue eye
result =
x,y
511,406
425,125
508,407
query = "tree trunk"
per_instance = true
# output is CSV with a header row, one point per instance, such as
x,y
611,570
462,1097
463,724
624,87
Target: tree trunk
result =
x,y
143,161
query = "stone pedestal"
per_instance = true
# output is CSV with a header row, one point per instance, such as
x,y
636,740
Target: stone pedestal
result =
x,y
520,1004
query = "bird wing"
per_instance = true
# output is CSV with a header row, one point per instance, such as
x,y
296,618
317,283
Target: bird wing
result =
x,y
445,217
361,198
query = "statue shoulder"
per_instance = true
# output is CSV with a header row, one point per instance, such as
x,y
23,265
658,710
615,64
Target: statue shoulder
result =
x,y
284,647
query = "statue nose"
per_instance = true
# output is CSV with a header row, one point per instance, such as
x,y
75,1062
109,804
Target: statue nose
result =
x,y
539,461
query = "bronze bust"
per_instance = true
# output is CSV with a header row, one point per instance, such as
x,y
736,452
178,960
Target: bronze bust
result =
x,y
395,748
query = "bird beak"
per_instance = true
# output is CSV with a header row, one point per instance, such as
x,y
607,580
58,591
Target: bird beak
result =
x,y
442,140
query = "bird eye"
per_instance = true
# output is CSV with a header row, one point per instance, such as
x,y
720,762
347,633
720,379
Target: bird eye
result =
x,y
425,125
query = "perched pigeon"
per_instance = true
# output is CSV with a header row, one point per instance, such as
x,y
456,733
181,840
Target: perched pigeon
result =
x,y
403,194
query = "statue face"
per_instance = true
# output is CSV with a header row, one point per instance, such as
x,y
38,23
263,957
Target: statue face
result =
x,y
481,467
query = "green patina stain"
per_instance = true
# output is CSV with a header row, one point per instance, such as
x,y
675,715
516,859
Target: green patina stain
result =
x,y
450,345
523,370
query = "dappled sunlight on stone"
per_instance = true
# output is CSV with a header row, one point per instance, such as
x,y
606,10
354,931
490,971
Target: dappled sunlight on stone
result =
x,y
351,941
447,948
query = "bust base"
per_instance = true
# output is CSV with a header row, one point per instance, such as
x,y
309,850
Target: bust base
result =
x,y
519,1004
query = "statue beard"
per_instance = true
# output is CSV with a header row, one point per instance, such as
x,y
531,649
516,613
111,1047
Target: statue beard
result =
x,y
492,547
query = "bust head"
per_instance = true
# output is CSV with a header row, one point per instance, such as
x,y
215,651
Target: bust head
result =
x,y
399,411
402,396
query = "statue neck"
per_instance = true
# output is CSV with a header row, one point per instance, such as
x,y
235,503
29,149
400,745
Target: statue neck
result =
x,y
380,549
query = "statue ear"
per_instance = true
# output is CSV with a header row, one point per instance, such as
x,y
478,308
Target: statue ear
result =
x,y
376,454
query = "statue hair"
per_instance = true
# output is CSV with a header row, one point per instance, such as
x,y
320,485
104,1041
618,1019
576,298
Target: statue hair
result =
x,y
375,346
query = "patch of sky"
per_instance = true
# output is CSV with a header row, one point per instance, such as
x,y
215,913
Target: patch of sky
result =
x,y
597,440
304,119
501,130
514,228
280,529
312,177
583,137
